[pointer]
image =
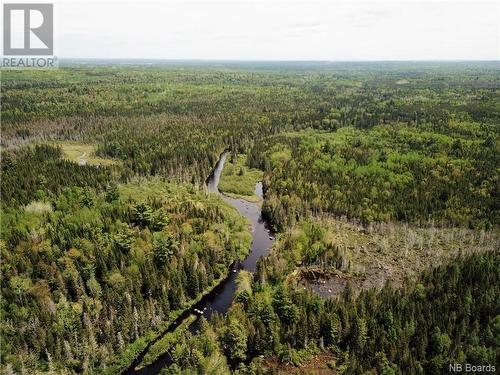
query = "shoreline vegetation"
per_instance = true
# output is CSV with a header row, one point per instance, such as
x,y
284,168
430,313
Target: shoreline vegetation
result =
x,y
238,180
166,342
130,354
141,189
161,345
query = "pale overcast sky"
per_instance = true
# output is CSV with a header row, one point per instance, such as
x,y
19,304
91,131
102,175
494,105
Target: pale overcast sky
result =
x,y
279,30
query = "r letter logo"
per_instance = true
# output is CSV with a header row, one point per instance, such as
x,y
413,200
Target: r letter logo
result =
x,y
28,29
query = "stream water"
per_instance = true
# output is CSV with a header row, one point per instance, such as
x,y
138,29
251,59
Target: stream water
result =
x,y
220,298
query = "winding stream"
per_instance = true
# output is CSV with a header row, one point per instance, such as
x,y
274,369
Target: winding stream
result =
x,y
220,298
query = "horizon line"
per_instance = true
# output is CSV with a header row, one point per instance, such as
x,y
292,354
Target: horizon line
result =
x,y
205,60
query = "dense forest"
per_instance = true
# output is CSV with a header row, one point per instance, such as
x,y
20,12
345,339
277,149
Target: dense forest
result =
x,y
87,272
389,173
380,180
449,315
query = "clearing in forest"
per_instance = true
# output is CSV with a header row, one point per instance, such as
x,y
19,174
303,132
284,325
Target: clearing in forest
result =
x,y
84,154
